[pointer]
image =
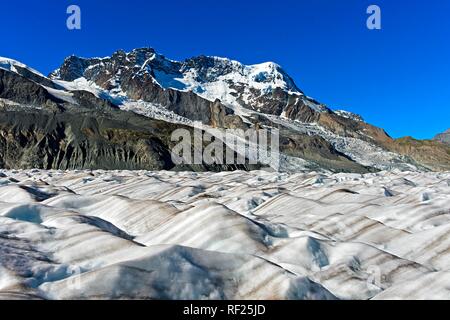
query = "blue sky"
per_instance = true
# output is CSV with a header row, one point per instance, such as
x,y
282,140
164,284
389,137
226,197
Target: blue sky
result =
x,y
397,78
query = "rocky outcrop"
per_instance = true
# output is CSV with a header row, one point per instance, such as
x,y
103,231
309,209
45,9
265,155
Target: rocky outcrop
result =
x,y
431,154
443,137
90,139
222,117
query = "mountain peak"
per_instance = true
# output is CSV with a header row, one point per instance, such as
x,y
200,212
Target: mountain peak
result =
x,y
264,87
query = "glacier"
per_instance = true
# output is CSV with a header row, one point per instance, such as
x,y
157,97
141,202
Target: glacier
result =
x,y
230,235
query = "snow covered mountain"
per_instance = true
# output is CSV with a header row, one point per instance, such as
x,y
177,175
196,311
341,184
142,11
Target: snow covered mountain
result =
x,y
264,87
211,91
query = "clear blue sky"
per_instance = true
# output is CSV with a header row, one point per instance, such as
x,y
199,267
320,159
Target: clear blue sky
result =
x,y
397,78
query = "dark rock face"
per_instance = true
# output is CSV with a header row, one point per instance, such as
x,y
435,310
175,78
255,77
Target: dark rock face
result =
x,y
24,72
39,139
22,90
186,104
300,111
73,68
318,151
443,137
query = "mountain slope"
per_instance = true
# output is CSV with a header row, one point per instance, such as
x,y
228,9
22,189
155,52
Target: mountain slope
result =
x,y
430,153
265,87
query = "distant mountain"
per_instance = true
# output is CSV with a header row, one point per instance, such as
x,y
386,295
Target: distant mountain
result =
x,y
443,137
255,93
140,90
